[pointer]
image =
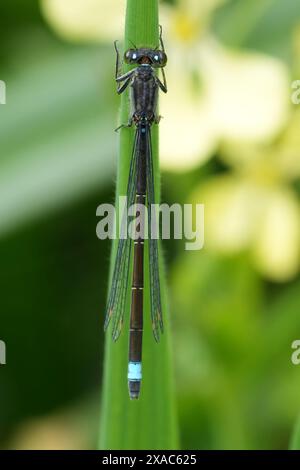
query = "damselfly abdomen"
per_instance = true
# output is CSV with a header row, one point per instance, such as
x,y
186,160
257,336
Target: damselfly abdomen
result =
x,y
144,85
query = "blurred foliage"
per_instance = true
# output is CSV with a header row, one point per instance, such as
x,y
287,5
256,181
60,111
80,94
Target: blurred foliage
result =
x,y
52,179
263,25
233,326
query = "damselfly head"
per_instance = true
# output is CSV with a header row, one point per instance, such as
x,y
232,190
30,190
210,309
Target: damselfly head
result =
x,y
153,57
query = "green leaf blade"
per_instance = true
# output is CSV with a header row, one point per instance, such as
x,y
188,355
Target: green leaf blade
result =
x,y
150,421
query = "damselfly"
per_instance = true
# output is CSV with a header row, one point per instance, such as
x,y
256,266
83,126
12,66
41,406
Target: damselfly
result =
x,y
144,85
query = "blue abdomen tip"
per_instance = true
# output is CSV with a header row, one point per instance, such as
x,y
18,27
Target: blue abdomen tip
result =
x,y
134,371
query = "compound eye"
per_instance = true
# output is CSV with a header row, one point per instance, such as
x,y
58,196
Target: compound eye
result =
x,y
159,58
162,58
130,56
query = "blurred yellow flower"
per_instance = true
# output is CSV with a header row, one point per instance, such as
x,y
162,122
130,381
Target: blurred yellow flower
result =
x,y
232,99
255,209
85,20
228,107
277,240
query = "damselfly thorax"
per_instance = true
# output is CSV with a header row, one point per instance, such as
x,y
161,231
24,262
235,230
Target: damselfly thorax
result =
x,y
144,94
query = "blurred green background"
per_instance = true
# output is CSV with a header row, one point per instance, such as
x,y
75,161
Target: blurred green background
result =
x,y
234,305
